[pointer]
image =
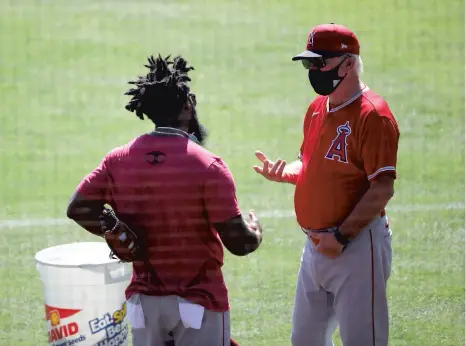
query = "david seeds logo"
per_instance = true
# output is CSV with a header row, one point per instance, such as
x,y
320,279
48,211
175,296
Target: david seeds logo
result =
x,y
59,330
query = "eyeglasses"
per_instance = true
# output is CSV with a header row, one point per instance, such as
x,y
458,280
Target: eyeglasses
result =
x,y
318,62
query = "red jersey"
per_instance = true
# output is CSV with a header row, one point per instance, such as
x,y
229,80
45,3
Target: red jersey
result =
x,y
343,150
171,190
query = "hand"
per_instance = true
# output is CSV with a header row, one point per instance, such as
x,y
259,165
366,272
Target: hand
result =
x,y
270,170
108,221
121,240
254,224
328,244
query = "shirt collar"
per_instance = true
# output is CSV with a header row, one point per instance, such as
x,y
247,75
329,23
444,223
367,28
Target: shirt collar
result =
x,y
347,102
169,131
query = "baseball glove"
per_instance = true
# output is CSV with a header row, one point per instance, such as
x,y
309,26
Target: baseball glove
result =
x,y
122,240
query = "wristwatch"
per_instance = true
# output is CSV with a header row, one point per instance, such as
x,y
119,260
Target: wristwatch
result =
x,y
341,238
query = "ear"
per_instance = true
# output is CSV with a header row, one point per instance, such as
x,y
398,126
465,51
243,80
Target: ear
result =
x,y
187,106
347,66
186,111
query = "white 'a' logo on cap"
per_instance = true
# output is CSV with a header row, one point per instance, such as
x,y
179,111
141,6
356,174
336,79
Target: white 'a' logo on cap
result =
x,y
311,38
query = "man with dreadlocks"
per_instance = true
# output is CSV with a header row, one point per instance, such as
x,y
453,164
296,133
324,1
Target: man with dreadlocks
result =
x,y
181,201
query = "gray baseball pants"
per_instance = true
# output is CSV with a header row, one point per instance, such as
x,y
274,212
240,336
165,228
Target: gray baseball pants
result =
x,y
163,323
349,291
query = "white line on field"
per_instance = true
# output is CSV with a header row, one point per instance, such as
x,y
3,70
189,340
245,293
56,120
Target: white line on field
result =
x,y
271,214
281,214
33,223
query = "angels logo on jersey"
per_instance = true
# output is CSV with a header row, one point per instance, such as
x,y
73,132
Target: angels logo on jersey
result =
x,y
337,150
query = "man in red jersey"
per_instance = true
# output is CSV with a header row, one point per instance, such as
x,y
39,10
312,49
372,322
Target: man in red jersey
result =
x,y
181,201
344,179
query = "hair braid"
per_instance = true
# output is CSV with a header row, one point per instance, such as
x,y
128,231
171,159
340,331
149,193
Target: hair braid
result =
x,y
162,93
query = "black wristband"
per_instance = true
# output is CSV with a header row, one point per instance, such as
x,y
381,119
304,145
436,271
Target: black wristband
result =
x,y
340,237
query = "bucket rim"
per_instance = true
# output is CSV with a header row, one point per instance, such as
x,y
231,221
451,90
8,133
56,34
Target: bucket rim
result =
x,y
41,258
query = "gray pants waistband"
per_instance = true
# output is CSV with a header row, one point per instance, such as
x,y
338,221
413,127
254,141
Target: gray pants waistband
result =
x,y
331,229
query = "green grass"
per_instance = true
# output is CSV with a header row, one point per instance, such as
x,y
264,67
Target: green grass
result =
x,y
63,69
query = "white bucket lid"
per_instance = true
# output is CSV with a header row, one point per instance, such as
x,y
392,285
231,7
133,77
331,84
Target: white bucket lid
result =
x,y
76,255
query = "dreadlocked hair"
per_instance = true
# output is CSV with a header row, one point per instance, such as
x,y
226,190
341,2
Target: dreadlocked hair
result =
x,y
162,93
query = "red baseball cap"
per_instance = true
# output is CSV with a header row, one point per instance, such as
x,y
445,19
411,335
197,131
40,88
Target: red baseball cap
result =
x,y
327,40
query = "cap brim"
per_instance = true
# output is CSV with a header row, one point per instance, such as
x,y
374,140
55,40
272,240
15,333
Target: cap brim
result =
x,y
305,55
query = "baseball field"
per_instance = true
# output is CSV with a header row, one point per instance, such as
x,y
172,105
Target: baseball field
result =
x,y
63,71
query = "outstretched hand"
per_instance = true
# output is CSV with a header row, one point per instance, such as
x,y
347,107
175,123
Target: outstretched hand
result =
x,y
270,170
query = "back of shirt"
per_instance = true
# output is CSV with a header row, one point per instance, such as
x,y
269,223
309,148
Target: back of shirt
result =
x,y
170,190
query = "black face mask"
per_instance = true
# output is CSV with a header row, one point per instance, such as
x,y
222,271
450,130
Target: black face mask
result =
x,y
325,82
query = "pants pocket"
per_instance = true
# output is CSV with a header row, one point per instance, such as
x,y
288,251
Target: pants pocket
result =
x,y
135,312
191,314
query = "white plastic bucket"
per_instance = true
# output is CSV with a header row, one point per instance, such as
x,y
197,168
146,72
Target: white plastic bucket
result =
x,y
84,295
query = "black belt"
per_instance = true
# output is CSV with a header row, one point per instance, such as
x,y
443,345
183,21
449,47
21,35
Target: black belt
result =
x,y
322,230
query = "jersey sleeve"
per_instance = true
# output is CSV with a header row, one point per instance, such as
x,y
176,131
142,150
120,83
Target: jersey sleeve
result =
x,y
380,145
95,186
220,198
